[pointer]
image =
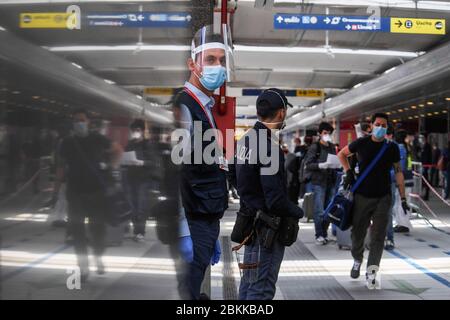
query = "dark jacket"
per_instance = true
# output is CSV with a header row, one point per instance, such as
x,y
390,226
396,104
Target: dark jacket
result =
x,y
203,186
149,152
314,156
258,189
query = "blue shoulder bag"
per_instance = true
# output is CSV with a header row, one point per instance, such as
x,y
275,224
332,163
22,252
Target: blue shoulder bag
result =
x,y
339,211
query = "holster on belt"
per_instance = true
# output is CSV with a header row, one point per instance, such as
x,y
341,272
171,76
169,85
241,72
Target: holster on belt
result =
x,y
266,226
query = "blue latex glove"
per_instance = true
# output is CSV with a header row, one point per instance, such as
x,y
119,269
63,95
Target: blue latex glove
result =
x,y
186,249
216,255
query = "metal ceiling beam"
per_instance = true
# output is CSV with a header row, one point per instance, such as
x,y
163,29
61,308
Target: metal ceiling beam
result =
x,y
410,76
60,74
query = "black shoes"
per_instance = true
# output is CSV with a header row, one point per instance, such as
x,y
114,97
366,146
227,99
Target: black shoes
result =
x,y
401,229
355,272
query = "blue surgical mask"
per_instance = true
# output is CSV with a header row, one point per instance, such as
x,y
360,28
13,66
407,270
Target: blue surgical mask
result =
x,y
379,132
81,129
213,77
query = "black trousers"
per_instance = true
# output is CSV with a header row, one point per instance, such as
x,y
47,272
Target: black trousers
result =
x,y
294,192
91,206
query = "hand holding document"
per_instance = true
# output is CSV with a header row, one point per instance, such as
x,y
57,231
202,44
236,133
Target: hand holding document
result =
x,y
129,159
333,161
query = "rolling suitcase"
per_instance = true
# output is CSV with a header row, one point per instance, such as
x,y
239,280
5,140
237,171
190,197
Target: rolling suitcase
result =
x,y
114,235
308,206
344,239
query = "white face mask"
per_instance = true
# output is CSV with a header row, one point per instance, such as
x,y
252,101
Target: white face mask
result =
x,y
81,129
136,135
326,138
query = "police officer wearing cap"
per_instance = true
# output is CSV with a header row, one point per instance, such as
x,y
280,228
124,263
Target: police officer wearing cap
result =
x,y
261,184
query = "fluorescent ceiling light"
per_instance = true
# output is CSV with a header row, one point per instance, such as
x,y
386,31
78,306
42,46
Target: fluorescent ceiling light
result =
x,y
77,65
239,48
393,53
389,70
109,81
119,48
310,70
2,29
357,85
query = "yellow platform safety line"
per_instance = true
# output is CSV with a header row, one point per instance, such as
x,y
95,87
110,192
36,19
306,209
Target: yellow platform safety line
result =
x,y
418,26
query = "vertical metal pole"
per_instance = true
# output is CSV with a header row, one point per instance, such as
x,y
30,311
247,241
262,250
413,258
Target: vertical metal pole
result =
x,y
223,88
448,120
338,132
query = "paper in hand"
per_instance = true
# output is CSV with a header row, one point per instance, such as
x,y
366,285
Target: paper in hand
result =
x,y
334,160
128,158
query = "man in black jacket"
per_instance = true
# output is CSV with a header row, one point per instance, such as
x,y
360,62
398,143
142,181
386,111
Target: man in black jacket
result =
x,y
141,175
323,177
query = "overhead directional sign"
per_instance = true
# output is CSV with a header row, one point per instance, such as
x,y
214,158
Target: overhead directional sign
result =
x,y
159,91
359,23
140,19
321,22
47,20
303,93
418,26
310,93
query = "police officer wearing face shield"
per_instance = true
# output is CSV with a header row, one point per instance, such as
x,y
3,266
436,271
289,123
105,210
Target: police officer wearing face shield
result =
x,y
261,184
203,185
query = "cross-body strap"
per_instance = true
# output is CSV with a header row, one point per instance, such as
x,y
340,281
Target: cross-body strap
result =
x,y
369,168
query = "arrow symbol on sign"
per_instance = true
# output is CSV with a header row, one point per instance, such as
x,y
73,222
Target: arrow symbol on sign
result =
x,y
140,17
280,19
399,23
348,27
327,20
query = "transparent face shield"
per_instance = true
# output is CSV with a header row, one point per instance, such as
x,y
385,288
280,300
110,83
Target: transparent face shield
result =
x,y
212,48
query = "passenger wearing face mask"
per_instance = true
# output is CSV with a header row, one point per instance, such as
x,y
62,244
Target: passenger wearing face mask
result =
x,y
261,183
86,158
426,159
372,199
139,176
323,177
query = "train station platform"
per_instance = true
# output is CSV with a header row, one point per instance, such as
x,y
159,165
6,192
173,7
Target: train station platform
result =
x,y
36,263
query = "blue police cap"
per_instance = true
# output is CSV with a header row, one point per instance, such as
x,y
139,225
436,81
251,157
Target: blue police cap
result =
x,y
275,97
